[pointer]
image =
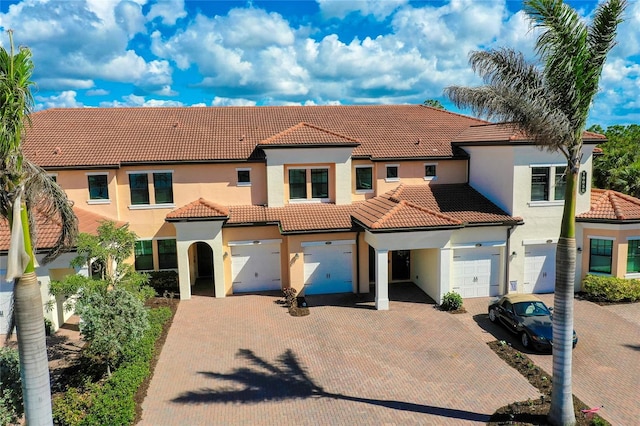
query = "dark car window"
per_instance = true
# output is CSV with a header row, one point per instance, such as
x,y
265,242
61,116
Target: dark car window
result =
x,y
531,309
507,306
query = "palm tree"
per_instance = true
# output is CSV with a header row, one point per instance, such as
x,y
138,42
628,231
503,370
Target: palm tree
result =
x,y
24,187
550,102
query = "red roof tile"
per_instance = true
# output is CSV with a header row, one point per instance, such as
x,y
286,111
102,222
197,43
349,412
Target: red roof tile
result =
x,y
306,134
609,205
200,209
48,230
84,137
416,206
506,132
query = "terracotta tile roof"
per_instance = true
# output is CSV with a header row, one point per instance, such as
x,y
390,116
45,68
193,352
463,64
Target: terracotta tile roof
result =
x,y
608,205
296,217
506,132
48,230
85,137
415,206
199,209
304,134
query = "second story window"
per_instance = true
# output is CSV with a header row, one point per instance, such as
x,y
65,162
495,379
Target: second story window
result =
x,y
162,189
364,178
392,173
297,184
319,183
139,186
548,183
244,177
98,187
429,172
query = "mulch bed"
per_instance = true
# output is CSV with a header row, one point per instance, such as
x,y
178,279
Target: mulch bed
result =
x,y
533,412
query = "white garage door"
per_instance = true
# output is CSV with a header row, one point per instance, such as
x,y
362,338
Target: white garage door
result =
x,y
255,266
476,272
539,268
328,267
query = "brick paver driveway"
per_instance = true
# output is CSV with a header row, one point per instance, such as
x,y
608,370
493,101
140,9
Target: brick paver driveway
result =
x,y
606,361
244,360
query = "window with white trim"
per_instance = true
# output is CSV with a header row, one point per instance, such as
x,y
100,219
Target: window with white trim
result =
x,y
162,188
305,181
430,171
392,173
364,178
600,255
543,187
633,256
244,177
98,186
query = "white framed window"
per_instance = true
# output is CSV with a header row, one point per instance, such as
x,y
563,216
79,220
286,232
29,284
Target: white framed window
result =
x,y
548,183
393,173
308,184
162,189
364,179
167,253
430,172
53,176
243,176
98,186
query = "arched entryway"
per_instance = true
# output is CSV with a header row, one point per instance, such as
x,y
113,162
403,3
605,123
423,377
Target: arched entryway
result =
x,y
201,269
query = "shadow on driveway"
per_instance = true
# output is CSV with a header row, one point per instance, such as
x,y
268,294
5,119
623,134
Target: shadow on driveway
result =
x,y
287,379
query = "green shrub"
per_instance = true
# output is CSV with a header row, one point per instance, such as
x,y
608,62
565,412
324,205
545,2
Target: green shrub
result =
x,y
11,404
113,403
163,281
451,301
611,289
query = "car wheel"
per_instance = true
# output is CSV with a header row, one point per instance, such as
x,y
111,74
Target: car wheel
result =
x,y
493,315
524,338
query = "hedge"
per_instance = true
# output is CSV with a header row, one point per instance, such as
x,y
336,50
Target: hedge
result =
x,y
113,403
611,289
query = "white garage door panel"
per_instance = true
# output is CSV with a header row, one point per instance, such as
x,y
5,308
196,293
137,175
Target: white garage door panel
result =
x,y
328,269
255,267
539,268
476,272
6,293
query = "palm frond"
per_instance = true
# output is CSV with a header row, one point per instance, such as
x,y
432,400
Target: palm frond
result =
x,y
45,198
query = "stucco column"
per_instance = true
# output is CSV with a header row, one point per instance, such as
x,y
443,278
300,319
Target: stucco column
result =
x,y
218,265
382,280
182,248
444,273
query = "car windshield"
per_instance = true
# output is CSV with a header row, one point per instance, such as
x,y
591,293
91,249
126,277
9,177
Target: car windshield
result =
x,y
531,309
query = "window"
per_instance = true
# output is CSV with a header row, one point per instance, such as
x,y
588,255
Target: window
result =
x,y
139,186
297,184
600,256
392,172
364,178
54,177
319,183
163,187
561,183
244,177
144,255
429,171
167,254
98,187
539,183
633,257
545,189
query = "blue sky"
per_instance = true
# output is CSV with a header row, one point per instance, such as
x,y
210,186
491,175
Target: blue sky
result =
x,y
201,53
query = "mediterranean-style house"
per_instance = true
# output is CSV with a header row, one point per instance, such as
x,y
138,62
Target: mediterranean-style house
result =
x,y
329,199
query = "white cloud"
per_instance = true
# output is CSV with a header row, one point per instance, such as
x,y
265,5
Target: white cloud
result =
x,y
140,101
169,11
97,92
66,99
341,8
71,83
218,101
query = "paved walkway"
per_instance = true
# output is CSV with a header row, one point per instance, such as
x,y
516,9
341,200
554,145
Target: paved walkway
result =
x,y
606,361
244,360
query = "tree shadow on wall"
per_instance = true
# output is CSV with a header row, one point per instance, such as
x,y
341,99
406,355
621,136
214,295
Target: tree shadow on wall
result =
x,y
287,379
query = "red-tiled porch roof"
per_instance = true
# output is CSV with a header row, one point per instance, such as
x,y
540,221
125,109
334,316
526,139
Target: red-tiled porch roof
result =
x,y
199,209
304,134
48,230
608,205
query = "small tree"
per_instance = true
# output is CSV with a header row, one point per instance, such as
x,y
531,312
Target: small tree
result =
x,y
111,320
11,404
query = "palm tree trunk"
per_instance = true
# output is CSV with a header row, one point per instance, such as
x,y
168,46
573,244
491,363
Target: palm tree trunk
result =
x,y
562,411
32,343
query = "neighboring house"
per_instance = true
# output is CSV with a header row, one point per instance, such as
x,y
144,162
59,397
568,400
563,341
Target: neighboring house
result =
x,y
326,199
47,231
